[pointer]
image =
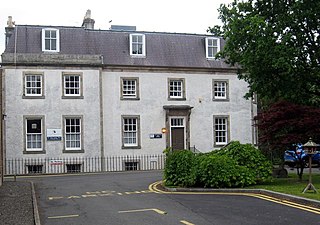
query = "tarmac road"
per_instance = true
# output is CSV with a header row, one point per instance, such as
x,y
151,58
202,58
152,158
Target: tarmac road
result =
x,y
125,198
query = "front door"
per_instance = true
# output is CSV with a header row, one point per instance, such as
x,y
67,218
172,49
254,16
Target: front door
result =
x,y
177,129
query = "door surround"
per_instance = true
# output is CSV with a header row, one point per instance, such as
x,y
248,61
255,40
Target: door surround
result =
x,y
178,111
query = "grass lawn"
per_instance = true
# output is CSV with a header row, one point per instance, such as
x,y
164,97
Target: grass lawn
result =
x,y
293,186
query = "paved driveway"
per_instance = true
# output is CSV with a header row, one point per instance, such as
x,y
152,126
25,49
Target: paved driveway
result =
x,y
124,198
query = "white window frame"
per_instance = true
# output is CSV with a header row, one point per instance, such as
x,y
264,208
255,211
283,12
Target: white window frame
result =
x,y
210,47
134,88
134,131
221,131
143,43
79,87
57,39
33,84
220,89
34,137
76,133
174,88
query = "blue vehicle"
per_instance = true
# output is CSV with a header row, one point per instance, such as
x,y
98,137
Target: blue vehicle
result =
x,y
291,157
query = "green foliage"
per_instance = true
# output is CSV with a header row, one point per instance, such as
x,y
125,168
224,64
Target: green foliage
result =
x,y
220,171
250,157
236,165
180,168
276,46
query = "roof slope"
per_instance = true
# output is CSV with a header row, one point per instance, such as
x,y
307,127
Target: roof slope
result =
x,y
162,49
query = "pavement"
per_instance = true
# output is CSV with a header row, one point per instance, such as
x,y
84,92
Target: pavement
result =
x,y
18,204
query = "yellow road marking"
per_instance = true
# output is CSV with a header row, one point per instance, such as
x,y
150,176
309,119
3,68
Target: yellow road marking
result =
x,y
74,196
144,210
98,194
54,198
186,222
61,217
153,187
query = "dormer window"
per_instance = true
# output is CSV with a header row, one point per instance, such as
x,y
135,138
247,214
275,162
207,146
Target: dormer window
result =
x,y
212,47
137,45
50,40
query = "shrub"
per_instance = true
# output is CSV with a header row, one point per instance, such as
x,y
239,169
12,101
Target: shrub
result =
x,y
237,165
220,171
250,157
180,169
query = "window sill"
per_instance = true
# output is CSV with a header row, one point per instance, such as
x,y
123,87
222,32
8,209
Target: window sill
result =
x,y
221,100
129,99
72,97
33,97
219,145
73,151
177,99
138,56
34,152
131,147
50,51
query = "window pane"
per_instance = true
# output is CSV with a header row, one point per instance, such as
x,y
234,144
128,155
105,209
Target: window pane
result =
x,y
73,133
137,44
53,45
130,131
220,89
47,34
221,130
53,34
33,85
129,88
33,134
175,88
72,85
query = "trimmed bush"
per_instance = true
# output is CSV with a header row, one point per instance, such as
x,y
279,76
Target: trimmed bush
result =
x,y
180,169
249,156
236,165
219,171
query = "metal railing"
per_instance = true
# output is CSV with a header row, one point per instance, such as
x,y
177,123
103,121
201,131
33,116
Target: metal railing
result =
x,y
22,166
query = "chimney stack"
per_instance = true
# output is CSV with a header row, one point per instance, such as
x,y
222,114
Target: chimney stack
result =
x,y
9,29
88,23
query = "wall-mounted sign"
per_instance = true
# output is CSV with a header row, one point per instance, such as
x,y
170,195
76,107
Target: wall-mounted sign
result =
x,y
54,135
154,136
56,162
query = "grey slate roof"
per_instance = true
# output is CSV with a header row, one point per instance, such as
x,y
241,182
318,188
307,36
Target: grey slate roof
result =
x,y
162,49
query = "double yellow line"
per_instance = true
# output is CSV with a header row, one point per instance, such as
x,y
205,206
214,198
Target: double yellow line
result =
x,y
154,188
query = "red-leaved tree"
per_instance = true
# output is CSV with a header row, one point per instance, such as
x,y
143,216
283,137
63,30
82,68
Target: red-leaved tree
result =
x,y
285,123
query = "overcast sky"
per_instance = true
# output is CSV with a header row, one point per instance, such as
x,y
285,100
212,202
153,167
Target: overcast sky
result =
x,y
182,16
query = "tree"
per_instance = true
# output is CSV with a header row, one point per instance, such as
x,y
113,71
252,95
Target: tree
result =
x,y
276,46
285,123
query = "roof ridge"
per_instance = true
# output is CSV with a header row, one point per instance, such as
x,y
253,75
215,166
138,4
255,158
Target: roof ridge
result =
x,y
114,31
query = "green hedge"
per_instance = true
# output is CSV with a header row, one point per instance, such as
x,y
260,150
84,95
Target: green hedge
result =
x,y
237,165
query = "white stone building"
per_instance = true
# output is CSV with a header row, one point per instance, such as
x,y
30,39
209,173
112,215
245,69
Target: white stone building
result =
x,y
81,92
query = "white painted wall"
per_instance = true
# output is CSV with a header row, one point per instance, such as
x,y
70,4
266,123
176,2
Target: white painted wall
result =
x,y
153,88
53,107
154,95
